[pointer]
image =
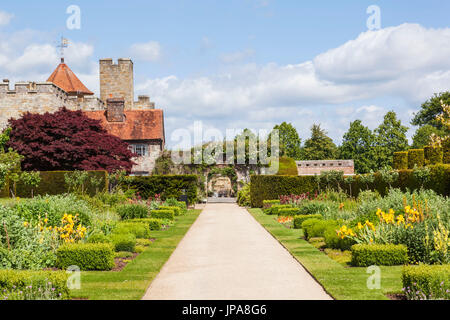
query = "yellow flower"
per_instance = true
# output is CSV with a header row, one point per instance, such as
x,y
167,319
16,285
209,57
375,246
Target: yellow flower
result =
x,y
25,224
360,226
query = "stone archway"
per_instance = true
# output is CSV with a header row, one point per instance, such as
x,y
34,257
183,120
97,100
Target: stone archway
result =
x,y
220,186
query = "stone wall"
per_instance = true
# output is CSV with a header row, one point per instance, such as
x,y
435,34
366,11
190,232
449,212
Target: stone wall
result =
x,y
318,166
143,103
145,165
116,81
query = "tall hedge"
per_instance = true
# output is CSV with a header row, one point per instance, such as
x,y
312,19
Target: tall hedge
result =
x,y
446,156
401,160
169,186
272,187
53,183
433,155
4,193
416,157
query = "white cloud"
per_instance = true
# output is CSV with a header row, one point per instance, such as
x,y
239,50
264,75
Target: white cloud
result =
x,y
238,56
5,18
148,51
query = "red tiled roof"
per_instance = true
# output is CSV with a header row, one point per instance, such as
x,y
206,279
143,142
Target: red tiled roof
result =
x,y
64,78
138,124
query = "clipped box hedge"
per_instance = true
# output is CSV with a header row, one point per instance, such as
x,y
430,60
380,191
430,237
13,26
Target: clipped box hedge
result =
x,y
416,157
316,227
20,279
269,203
87,256
53,183
138,229
163,214
288,212
401,160
273,210
153,224
168,186
298,220
432,281
433,155
365,255
123,241
176,210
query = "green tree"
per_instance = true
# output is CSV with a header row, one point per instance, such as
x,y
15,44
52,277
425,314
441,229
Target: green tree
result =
x,y
4,138
290,142
391,137
430,110
358,144
422,136
319,146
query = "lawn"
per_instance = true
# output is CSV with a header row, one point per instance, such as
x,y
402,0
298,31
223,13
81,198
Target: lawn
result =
x,y
131,283
341,282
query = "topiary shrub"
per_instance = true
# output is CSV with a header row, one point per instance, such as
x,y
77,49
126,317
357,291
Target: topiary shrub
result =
x,y
163,214
288,212
123,242
365,255
275,208
153,224
426,282
287,167
401,160
98,238
269,203
18,280
298,220
87,256
176,210
138,229
416,157
316,227
132,211
333,241
433,155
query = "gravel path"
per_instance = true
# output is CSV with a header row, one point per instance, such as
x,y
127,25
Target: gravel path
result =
x,y
228,255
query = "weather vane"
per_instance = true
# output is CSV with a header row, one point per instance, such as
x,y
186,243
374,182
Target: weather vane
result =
x,y
64,44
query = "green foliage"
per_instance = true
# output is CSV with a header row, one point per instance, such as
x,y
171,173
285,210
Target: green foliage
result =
x,y
139,229
333,241
172,202
163,214
416,158
98,238
243,196
298,220
288,212
54,183
319,146
316,227
287,167
123,241
270,203
425,282
358,144
15,280
53,208
290,142
176,210
422,136
446,147
31,179
388,175
4,138
433,155
132,211
430,110
401,160
153,224
168,186
422,174
365,255
87,256
273,210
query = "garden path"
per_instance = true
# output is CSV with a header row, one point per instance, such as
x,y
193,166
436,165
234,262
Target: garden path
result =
x,y
228,255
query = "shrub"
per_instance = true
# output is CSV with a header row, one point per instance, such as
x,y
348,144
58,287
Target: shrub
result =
x,y
15,280
98,238
288,212
433,155
163,214
426,282
287,167
401,160
307,225
243,196
298,220
169,186
275,208
365,255
314,207
139,230
139,249
333,241
132,211
90,256
318,229
172,202
176,210
270,203
154,224
416,157
123,242
143,242
446,147
123,254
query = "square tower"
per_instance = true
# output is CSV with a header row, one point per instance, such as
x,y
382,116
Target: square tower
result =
x,y
116,81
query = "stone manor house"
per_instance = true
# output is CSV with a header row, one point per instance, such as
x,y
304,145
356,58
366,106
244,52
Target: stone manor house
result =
x,y
136,122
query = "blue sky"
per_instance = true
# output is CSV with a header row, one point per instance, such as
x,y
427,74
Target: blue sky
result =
x,y
247,63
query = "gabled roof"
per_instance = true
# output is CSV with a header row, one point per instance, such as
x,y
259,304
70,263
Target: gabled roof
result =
x,y
64,78
138,124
